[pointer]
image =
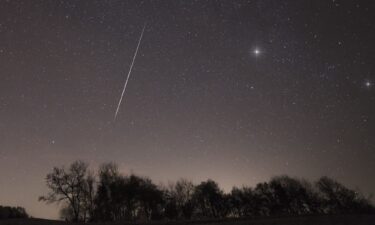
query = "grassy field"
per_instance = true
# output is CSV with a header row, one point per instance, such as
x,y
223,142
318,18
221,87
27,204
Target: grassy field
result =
x,y
310,220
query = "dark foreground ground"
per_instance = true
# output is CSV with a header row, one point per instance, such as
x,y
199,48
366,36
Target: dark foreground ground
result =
x,y
309,220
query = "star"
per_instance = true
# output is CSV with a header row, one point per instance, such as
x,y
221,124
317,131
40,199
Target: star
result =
x,y
368,84
256,52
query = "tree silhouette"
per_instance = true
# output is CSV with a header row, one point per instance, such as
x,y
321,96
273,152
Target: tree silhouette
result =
x,y
209,200
291,196
242,202
112,196
70,186
179,200
121,197
336,198
263,198
7,212
104,201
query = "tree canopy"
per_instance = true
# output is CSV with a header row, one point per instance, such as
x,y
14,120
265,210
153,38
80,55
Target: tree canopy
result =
x,y
108,195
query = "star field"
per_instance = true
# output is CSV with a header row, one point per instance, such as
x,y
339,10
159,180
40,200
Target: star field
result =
x,y
236,91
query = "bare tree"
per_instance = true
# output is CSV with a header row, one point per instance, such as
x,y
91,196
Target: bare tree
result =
x,y
69,186
184,190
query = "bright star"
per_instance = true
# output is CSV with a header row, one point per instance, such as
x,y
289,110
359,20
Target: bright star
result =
x,y
256,51
368,84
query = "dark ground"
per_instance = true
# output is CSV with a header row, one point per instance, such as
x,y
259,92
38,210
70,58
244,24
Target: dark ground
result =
x,y
308,220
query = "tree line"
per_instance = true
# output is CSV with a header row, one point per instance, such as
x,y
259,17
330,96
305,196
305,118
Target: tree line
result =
x,y
8,212
108,195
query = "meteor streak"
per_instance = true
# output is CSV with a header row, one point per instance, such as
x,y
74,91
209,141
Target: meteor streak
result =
x,y
130,70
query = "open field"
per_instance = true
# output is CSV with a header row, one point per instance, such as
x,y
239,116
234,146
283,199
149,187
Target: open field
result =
x,y
309,220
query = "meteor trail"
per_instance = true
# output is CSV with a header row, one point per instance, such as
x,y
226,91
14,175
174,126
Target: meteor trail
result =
x,y
130,70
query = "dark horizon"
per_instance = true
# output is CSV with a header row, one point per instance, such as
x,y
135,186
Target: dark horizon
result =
x,y
164,184
236,91
105,194
57,206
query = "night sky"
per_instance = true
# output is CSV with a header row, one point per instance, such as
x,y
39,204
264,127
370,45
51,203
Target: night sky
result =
x,y
236,91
